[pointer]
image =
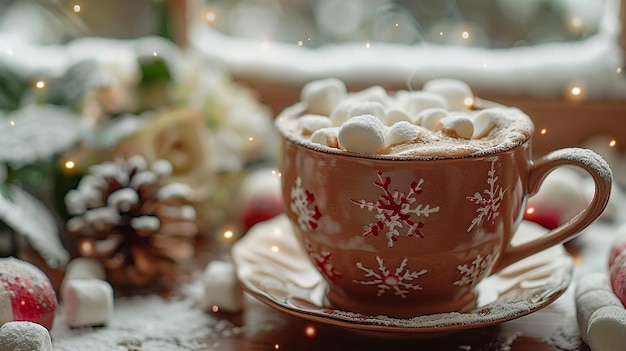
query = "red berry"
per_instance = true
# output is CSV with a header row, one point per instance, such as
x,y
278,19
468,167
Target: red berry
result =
x,y
26,293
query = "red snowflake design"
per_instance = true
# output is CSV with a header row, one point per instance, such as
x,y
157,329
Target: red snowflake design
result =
x,y
304,206
393,211
322,261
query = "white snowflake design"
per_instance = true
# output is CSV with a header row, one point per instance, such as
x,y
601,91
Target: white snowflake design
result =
x,y
399,281
393,211
489,204
303,205
472,274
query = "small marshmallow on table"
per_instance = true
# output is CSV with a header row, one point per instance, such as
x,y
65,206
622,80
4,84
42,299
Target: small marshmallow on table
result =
x,y
24,336
592,293
26,293
222,293
87,298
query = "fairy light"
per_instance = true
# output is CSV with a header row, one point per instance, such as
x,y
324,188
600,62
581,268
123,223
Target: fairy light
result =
x,y
576,22
300,43
576,91
275,248
210,16
86,248
40,84
310,331
368,45
155,54
228,234
397,25
468,101
441,34
215,308
76,8
250,138
465,34
612,143
276,346
530,210
69,164
12,123
543,131
619,70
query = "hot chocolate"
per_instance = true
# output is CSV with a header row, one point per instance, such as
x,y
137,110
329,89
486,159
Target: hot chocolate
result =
x,y
443,120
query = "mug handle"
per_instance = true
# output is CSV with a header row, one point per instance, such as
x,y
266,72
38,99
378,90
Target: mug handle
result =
x,y
602,176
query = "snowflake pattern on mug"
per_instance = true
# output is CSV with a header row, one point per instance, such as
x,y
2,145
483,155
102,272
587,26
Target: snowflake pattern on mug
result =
x,y
489,204
304,206
322,261
400,281
473,273
394,210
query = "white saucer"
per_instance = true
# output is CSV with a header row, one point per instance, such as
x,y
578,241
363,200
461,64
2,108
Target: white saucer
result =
x,y
273,267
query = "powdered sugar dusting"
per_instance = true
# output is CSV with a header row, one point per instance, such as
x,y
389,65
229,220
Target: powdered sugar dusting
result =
x,y
585,157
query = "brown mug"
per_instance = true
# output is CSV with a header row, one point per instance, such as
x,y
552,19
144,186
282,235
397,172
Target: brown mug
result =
x,y
411,236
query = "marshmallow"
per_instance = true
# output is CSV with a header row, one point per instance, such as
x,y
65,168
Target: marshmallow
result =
x,y
401,132
457,126
430,118
395,115
362,134
368,108
591,281
310,123
457,94
341,112
84,268
221,290
87,302
484,122
321,96
607,329
24,336
374,93
326,136
588,303
617,276
418,101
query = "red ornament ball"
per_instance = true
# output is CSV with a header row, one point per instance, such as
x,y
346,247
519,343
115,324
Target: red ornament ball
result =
x,y
26,293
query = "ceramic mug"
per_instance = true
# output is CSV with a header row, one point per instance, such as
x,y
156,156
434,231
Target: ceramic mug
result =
x,y
410,236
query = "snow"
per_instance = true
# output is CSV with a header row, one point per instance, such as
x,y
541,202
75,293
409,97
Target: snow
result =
x,y
544,70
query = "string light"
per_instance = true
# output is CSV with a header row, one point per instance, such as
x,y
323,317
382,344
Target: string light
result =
x,y
576,22
576,91
619,70
310,331
468,101
530,210
76,8
397,25
155,54
228,234
368,45
250,138
275,248
40,84
69,164
276,346
12,123
465,34
441,34
215,308
210,16
86,248
300,43
543,131
612,143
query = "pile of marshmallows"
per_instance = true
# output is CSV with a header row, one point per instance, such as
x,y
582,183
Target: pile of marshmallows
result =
x,y
370,121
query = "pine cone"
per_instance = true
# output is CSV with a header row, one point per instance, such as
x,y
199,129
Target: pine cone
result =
x,y
125,215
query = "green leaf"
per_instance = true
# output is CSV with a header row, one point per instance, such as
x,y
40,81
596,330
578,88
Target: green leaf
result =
x,y
12,87
154,70
69,89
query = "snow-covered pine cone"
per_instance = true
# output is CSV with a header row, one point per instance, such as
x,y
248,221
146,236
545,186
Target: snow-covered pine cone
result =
x,y
140,228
